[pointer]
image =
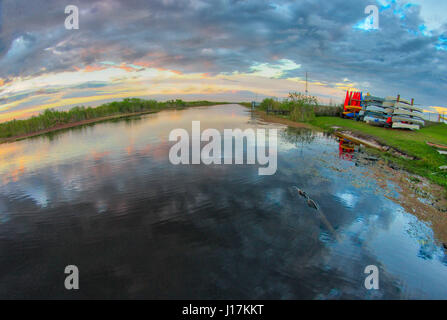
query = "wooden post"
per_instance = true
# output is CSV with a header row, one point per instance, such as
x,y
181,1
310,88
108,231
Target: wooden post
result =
x,y
398,98
412,101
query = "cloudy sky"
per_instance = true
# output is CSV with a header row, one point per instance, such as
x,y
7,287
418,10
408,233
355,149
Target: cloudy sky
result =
x,y
223,50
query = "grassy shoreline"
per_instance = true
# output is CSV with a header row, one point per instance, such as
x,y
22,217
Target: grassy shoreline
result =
x,y
421,159
405,149
51,120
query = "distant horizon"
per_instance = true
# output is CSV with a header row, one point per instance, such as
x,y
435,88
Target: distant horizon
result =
x,y
27,113
218,51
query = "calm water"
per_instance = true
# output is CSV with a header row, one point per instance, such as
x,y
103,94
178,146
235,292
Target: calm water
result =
x,y
106,199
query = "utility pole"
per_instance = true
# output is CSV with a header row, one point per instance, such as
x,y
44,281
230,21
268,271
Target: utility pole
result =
x,y
307,91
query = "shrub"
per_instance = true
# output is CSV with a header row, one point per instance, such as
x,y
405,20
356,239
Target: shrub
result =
x,y
301,106
270,104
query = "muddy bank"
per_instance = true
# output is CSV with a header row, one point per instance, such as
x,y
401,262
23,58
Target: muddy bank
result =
x,y
417,196
371,142
274,119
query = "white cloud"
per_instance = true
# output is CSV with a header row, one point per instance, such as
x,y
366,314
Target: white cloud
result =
x,y
277,70
432,12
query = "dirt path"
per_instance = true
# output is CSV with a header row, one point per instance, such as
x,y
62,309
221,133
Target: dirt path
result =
x,y
274,119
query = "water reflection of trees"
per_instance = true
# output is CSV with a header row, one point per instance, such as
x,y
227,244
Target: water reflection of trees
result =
x,y
298,136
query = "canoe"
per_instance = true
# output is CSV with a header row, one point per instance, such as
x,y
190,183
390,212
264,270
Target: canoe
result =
x,y
409,120
372,98
374,120
389,104
379,109
376,115
394,99
403,118
400,125
408,107
403,112
437,145
372,103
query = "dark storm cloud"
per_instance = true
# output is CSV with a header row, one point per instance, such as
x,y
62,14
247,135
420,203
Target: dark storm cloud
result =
x,y
230,35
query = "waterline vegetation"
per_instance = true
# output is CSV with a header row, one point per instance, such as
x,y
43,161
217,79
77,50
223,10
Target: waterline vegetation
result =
x,y
299,107
51,119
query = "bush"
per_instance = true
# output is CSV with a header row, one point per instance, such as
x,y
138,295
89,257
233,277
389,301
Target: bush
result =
x,y
301,106
270,104
328,111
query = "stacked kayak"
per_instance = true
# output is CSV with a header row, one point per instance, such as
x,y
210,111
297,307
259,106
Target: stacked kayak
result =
x,y
405,114
352,105
388,112
375,112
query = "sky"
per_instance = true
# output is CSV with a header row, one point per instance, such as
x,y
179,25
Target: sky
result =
x,y
218,50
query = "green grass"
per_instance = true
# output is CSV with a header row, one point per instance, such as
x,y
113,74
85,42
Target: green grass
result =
x,y
412,143
51,118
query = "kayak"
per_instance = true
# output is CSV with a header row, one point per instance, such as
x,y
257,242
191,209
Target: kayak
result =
x,y
376,115
409,120
388,104
350,114
394,99
403,112
373,103
353,108
379,109
372,98
374,120
408,107
400,125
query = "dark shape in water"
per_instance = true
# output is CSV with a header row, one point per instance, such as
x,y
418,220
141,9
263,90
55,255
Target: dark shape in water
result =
x,y
301,192
312,204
